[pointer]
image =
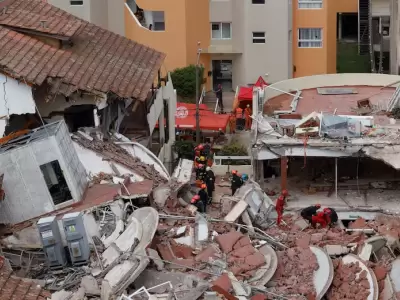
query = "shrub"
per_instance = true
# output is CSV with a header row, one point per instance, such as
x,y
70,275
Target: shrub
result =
x,y
184,149
184,80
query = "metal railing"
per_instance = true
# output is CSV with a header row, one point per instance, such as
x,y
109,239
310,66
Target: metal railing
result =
x,y
202,96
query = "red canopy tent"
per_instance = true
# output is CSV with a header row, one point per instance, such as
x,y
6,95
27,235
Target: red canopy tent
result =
x,y
185,117
246,93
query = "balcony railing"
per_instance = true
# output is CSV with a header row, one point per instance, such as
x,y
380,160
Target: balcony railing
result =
x,y
150,20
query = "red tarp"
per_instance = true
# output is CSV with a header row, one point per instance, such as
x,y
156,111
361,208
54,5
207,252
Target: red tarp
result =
x,y
246,93
186,117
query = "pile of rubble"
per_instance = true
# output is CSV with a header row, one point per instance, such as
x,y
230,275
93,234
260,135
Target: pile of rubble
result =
x,y
166,250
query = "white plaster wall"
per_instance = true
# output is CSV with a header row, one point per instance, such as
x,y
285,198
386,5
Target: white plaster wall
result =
x,y
380,8
310,82
221,170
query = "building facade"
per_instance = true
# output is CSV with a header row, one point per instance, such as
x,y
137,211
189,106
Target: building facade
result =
x,y
241,40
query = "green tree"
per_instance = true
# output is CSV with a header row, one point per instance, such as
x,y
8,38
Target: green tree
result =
x,y
184,80
184,149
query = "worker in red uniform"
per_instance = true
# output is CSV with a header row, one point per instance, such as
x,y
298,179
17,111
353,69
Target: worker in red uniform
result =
x,y
330,216
232,122
320,219
308,212
247,116
279,206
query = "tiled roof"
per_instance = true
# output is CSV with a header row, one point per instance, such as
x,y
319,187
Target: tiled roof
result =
x,y
16,288
98,60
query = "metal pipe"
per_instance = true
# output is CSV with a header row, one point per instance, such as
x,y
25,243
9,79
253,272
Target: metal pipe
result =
x,y
197,96
336,178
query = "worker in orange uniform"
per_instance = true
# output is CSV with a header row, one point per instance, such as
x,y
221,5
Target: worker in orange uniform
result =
x,y
247,116
279,206
232,122
320,219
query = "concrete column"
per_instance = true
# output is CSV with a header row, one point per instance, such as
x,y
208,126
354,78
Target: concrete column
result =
x,y
284,163
171,117
394,36
161,125
340,29
336,178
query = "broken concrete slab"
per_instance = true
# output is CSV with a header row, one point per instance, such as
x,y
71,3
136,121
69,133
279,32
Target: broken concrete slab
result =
x,y
237,286
132,232
161,194
90,286
148,217
324,275
264,274
110,255
106,291
119,228
365,252
334,250
153,278
236,211
61,295
155,257
370,276
201,229
78,295
395,274
180,231
377,242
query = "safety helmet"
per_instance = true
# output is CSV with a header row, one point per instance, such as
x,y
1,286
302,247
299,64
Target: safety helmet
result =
x,y
327,211
245,177
208,169
234,171
248,105
318,205
200,147
202,158
203,186
285,193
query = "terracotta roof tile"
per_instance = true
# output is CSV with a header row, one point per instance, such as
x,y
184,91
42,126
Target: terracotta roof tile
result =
x,y
98,60
15,288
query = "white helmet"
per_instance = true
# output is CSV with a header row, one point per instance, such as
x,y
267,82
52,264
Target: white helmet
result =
x,y
208,169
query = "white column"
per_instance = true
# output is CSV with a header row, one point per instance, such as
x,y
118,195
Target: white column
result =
x,y
340,27
171,117
161,125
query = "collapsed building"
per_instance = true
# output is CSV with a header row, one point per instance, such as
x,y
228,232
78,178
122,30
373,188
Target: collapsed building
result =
x,y
330,139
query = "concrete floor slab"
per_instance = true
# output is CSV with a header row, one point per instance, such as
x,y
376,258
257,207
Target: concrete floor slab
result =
x,y
374,292
148,217
324,275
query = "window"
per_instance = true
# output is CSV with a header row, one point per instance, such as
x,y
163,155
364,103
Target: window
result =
x,y
310,4
258,1
56,183
76,2
310,37
258,37
221,31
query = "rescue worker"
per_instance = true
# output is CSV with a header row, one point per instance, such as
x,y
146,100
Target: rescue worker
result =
x,y
331,216
319,219
245,177
201,172
232,122
218,94
198,203
310,211
280,204
203,196
236,182
198,151
247,116
210,182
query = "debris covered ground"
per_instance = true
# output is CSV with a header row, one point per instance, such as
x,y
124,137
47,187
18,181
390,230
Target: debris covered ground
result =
x,y
155,243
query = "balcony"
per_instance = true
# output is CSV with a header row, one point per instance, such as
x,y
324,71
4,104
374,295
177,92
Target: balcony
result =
x,y
151,20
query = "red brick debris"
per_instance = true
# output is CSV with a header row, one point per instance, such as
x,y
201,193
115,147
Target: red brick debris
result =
x,y
345,283
295,272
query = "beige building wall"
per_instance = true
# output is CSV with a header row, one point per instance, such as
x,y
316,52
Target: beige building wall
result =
x,y
108,14
250,60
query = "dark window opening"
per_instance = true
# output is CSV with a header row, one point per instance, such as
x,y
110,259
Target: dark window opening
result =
x,y
258,1
78,116
76,2
258,37
56,183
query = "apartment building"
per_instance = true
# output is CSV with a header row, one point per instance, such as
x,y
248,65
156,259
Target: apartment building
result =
x,y
243,39
104,13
